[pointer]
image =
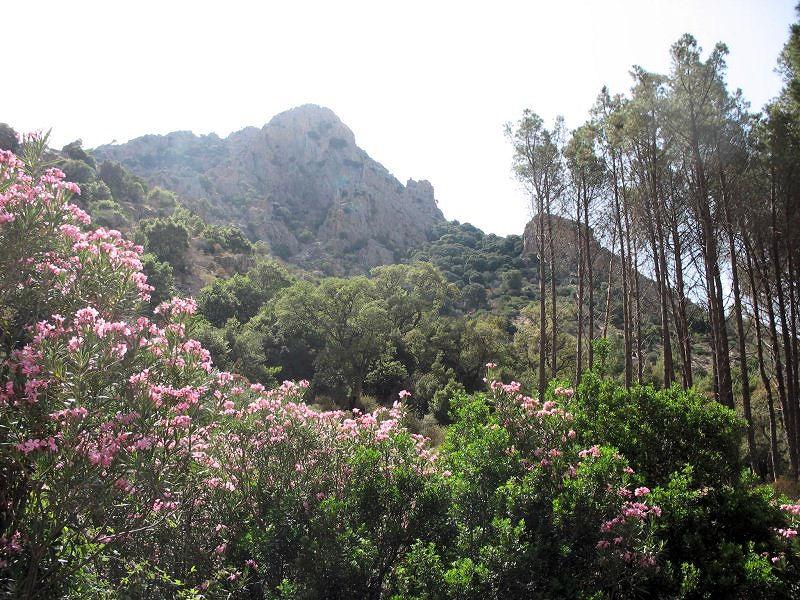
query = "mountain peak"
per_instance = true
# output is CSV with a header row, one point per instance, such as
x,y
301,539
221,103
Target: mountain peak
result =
x,y
312,112
314,121
299,183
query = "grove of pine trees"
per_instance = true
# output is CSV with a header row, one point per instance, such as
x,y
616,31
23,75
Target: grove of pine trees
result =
x,y
685,183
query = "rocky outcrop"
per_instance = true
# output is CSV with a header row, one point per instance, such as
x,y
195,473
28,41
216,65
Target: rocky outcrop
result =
x,y
565,251
565,246
299,183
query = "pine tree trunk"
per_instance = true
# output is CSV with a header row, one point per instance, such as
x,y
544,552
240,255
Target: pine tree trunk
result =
x,y
666,342
590,276
542,305
638,299
608,286
626,310
773,428
791,399
553,311
737,301
579,337
710,262
788,424
681,320
791,282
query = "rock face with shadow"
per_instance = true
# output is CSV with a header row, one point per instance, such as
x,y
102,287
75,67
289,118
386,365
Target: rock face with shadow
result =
x,y
300,183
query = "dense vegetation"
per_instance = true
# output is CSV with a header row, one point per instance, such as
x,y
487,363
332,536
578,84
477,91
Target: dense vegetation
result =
x,y
132,467
692,187
149,450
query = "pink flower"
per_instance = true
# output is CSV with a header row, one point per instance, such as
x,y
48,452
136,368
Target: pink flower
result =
x,y
182,421
791,508
593,451
404,394
641,491
34,444
177,306
86,316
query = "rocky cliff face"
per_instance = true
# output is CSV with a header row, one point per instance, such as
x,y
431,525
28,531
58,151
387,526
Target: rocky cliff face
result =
x,y
299,183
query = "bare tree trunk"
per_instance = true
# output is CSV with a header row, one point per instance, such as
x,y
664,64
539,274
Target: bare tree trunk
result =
x,y
581,271
790,415
724,390
773,428
660,268
737,300
791,392
542,306
710,260
681,320
638,299
590,276
610,280
624,268
791,282
788,424
553,311
355,396
664,299
723,336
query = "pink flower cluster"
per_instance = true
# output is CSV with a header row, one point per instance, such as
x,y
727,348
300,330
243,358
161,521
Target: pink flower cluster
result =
x,y
621,530
60,256
32,445
543,438
507,388
177,306
9,546
594,452
630,511
564,392
793,509
69,414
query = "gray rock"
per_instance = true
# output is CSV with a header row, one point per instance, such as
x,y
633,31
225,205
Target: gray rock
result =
x,y
300,183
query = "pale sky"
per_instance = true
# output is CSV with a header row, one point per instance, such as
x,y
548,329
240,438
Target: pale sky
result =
x,y
425,86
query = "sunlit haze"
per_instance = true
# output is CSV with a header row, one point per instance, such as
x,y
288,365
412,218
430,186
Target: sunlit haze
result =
x,y
425,86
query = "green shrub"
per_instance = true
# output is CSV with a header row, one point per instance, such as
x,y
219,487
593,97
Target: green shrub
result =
x,y
167,239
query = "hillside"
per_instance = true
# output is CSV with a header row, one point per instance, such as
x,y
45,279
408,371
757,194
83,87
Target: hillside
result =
x,y
299,183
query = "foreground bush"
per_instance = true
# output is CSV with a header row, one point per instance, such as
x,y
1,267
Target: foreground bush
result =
x,y
722,535
537,513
